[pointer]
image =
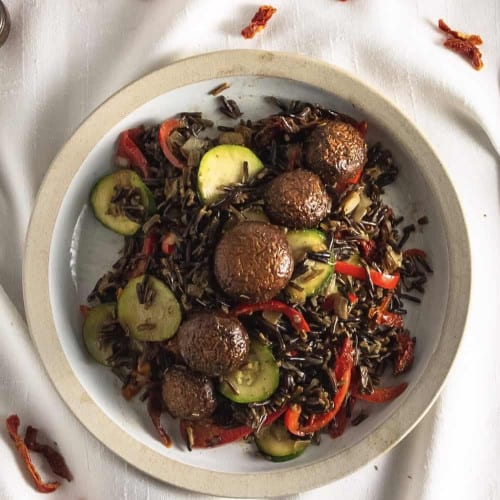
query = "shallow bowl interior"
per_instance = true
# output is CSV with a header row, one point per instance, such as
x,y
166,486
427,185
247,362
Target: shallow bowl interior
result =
x,y
78,250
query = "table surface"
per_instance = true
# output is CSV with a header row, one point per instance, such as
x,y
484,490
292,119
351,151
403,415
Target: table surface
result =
x,y
62,59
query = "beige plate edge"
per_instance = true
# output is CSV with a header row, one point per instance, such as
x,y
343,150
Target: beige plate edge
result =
x,y
36,289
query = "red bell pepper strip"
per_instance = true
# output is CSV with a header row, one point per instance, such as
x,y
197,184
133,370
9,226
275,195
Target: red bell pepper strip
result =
x,y
166,128
343,184
208,434
148,248
383,280
344,361
128,153
291,420
353,298
355,178
342,372
296,318
382,394
12,424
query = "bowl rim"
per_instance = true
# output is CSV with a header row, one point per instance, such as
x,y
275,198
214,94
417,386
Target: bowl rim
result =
x,y
38,309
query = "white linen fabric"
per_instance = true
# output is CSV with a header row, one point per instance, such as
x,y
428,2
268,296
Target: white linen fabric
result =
x,y
63,58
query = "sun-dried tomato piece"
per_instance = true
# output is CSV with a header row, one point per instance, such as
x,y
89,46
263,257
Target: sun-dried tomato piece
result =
x,y
382,316
467,49
259,21
474,39
155,408
339,424
463,43
54,458
405,353
385,318
12,424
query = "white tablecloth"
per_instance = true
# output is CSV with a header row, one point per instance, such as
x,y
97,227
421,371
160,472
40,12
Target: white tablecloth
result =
x,y
63,58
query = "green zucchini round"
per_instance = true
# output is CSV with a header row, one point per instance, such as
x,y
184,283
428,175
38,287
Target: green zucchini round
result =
x,y
102,194
150,321
319,274
256,380
96,318
277,444
222,166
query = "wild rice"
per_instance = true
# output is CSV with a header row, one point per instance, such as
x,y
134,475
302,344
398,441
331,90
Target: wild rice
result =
x,y
229,108
220,88
305,359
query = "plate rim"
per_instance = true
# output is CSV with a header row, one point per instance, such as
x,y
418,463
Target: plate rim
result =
x,y
220,64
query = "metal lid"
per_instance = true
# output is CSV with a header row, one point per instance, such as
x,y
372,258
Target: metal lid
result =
x,y
4,23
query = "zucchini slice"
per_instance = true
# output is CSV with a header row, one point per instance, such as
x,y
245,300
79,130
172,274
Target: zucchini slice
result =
x,y
256,380
155,319
222,166
103,206
277,444
311,283
95,320
318,275
305,240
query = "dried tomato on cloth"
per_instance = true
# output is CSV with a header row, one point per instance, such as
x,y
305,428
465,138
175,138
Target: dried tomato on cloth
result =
x,y
463,43
54,459
259,21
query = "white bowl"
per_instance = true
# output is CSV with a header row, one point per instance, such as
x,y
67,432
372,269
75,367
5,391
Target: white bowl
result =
x,y
67,250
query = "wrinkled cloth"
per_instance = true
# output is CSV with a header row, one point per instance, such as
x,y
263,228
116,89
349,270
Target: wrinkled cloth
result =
x,y
63,58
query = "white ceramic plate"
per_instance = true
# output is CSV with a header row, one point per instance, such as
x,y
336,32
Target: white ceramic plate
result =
x,y
67,250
